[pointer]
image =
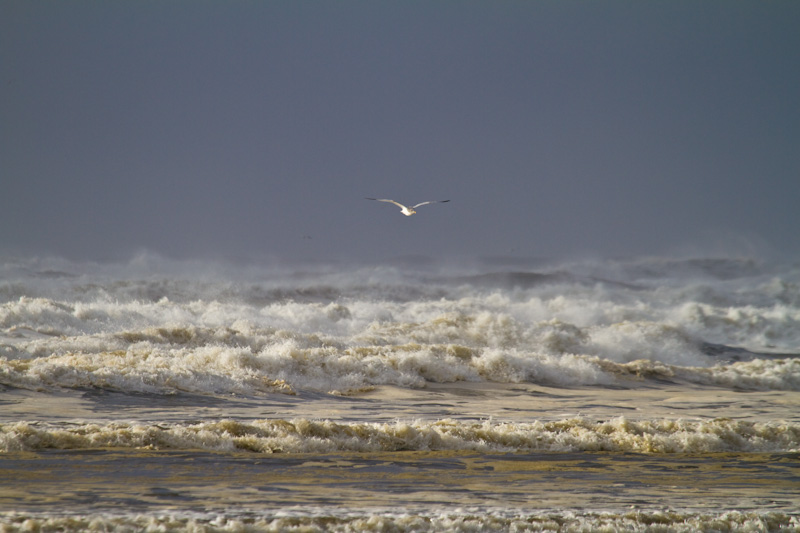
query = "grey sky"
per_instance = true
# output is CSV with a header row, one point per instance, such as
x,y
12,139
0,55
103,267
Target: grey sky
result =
x,y
257,128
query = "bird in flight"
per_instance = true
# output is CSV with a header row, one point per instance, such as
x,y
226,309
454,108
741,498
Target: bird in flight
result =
x,y
408,211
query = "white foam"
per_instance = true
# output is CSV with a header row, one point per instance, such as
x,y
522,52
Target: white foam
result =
x,y
326,436
392,519
162,327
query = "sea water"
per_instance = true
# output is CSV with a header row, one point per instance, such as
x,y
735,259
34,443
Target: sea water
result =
x,y
529,395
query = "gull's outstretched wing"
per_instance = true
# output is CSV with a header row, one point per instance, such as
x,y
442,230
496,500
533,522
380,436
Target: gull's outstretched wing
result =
x,y
387,200
431,202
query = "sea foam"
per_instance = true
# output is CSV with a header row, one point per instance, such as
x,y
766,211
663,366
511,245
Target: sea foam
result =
x,y
327,436
243,331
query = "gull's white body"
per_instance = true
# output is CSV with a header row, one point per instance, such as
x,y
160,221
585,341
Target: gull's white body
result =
x,y
408,211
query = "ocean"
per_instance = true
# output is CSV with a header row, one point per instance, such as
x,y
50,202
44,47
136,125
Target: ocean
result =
x,y
502,394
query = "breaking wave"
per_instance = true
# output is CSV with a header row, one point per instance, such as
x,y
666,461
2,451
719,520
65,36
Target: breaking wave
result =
x,y
326,436
723,323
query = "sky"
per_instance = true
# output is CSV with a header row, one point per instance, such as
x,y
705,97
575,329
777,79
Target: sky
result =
x,y
256,128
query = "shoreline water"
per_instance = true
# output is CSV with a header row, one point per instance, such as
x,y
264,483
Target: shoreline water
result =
x,y
654,396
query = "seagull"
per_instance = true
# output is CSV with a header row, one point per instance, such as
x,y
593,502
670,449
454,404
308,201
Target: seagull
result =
x,y
408,211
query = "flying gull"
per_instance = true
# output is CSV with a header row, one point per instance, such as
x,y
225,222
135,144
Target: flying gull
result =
x,y
408,211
